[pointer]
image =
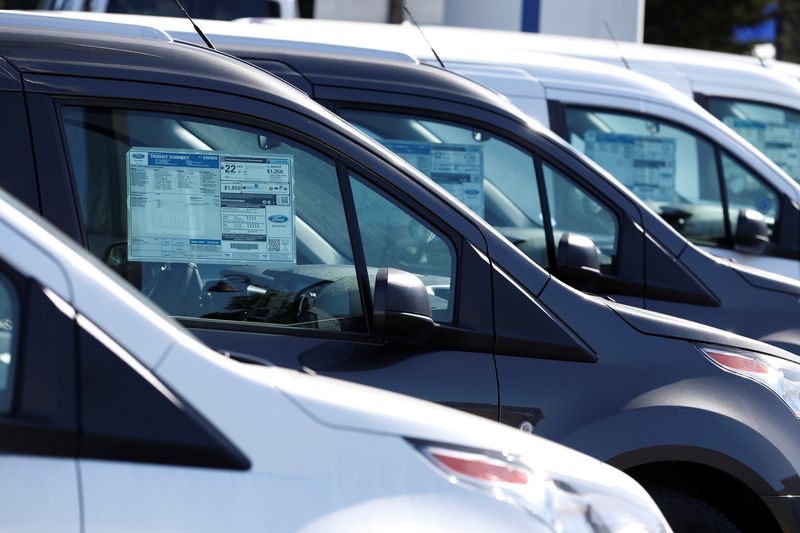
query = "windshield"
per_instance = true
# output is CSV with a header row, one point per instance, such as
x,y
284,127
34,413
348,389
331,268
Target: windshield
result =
x,y
774,130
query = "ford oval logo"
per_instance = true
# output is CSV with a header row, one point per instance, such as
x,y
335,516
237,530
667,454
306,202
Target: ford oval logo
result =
x,y
278,219
137,156
472,191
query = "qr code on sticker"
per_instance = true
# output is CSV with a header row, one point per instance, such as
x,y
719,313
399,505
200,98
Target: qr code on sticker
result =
x,y
283,199
274,245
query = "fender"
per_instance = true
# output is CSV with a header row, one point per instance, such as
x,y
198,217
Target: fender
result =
x,y
750,449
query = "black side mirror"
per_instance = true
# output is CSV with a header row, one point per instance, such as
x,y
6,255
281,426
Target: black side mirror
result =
x,y
402,307
577,260
752,233
116,254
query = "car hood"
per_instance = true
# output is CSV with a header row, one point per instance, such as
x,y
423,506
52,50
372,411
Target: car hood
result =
x,y
661,325
355,407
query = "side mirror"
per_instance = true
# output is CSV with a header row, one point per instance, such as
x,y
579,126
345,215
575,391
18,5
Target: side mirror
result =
x,y
402,307
752,233
116,254
577,260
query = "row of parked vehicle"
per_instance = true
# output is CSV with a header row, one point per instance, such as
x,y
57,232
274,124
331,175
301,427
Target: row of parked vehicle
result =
x,y
485,263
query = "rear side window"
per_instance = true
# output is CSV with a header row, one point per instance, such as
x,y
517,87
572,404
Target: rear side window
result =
x,y
9,327
215,220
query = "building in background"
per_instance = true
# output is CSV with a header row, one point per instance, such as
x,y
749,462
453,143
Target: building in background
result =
x,y
586,18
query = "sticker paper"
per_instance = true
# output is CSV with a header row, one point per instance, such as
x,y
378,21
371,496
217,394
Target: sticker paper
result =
x,y
210,207
457,168
778,141
643,163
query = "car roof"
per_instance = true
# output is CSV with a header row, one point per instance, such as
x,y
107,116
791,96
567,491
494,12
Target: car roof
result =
x,y
368,39
52,45
702,69
326,64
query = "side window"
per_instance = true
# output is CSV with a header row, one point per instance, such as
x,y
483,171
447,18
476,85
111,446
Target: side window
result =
x,y
393,237
215,220
672,169
574,210
774,130
9,327
745,191
491,176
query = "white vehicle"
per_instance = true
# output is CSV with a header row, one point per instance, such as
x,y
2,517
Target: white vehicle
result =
x,y
122,421
684,153
760,104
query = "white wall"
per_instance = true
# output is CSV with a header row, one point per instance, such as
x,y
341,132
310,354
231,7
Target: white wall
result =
x,y
494,14
563,17
357,10
427,11
584,18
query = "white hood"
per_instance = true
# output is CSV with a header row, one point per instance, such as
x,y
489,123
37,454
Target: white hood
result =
x,y
359,408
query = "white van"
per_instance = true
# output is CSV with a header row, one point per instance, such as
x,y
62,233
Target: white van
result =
x,y
176,437
760,104
670,139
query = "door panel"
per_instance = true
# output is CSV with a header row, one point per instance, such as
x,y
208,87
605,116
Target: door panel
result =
x,y
295,314
458,379
39,489
39,494
785,267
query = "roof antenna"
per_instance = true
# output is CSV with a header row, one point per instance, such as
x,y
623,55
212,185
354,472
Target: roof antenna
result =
x,y
196,28
611,34
414,21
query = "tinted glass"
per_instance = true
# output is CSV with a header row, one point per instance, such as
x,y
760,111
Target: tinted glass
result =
x,y
772,129
215,220
573,210
394,237
671,169
745,191
493,177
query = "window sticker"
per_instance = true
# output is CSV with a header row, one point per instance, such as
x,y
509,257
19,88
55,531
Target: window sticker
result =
x,y
210,207
457,168
643,163
780,142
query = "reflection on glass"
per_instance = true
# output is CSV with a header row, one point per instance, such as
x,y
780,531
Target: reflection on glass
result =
x,y
774,130
313,288
673,170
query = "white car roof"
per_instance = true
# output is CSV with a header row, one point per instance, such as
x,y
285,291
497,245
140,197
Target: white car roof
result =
x,y
702,71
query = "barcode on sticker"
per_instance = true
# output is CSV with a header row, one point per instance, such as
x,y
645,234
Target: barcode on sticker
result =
x,y
244,246
274,245
283,199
